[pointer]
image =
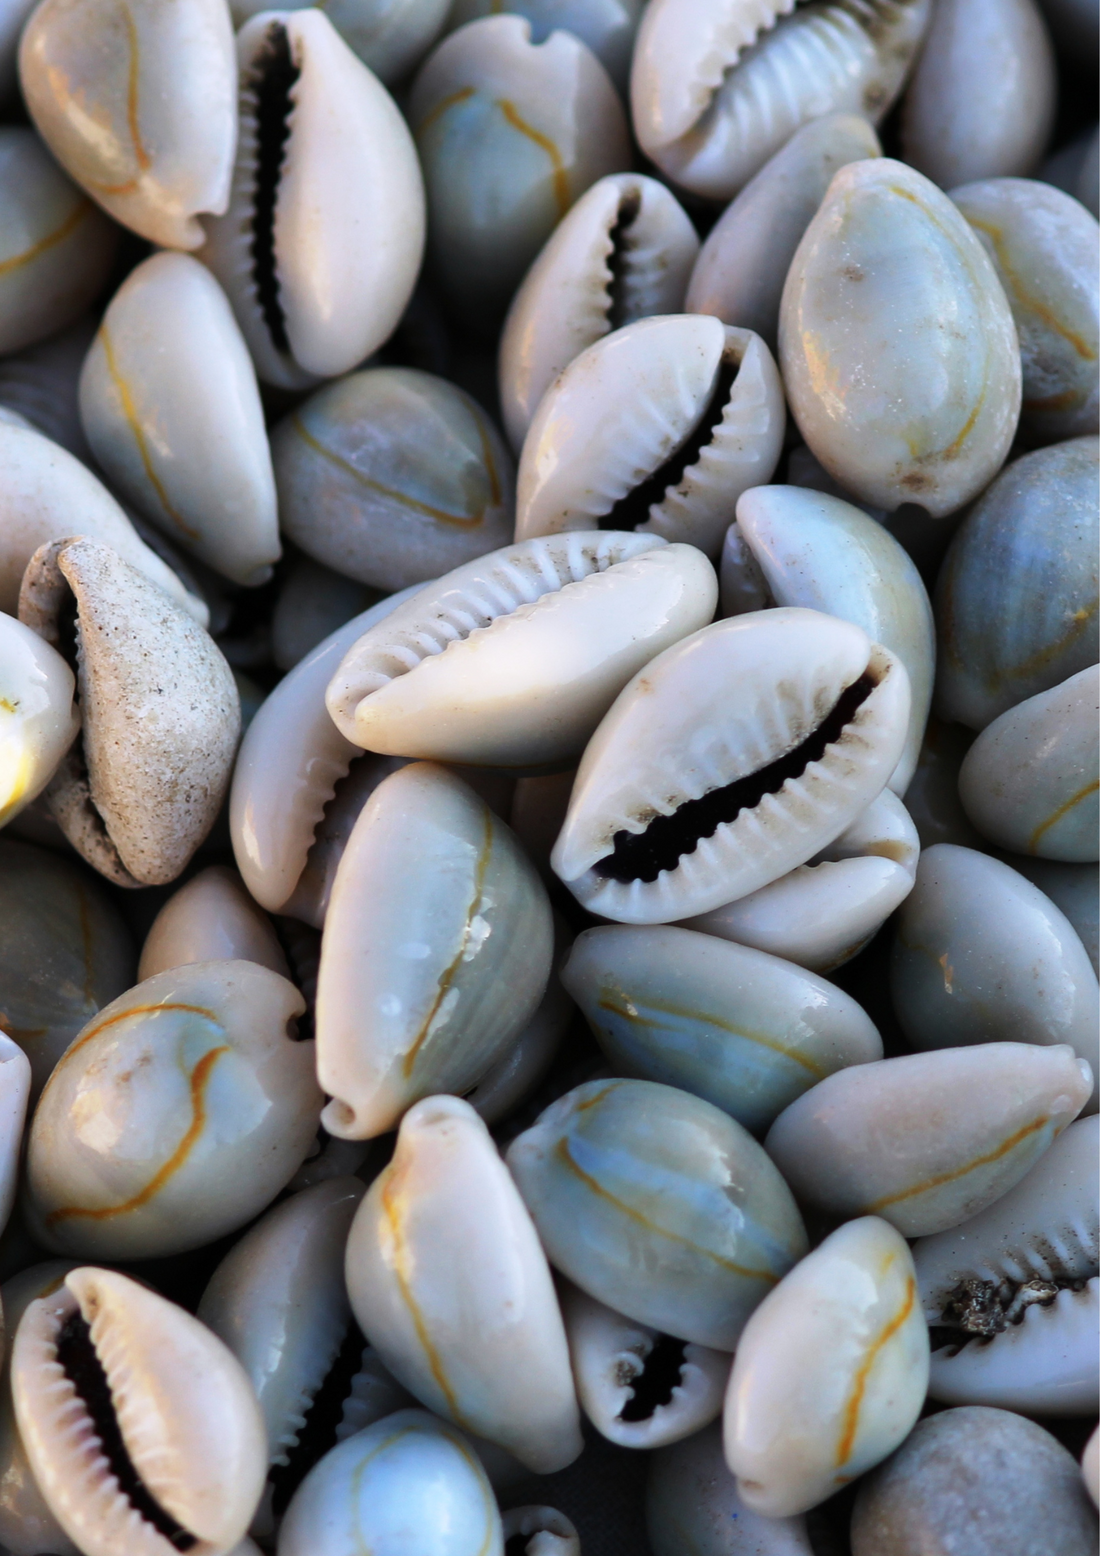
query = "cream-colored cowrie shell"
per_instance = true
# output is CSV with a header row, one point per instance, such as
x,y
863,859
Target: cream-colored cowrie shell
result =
x,y
390,38
958,121
830,1373
171,410
15,1090
928,1140
717,89
140,1427
38,722
135,99
320,247
658,428
1073,889
177,1114
513,659
448,1281
1090,1466
898,404
606,26
211,919
733,757
622,253
142,786
422,992
56,250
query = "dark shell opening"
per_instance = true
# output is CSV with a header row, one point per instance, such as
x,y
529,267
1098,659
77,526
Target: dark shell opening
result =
x,y
271,81
516,1545
654,1385
621,247
322,1421
976,1311
82,1366
641,856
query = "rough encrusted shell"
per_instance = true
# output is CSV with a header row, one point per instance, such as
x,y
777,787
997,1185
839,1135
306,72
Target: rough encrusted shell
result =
x,y
513,659
710,713
136,103
211,919
143,785
38,722
658,427
899,353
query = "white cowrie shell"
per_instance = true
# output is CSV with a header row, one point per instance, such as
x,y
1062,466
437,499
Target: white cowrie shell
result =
x,y
320,247
639,1388
38,722
175,1116
622,253
172,412
1043,1358
691,794
1073,890
136,102
211,919
179,1406
741,267
550,1532
56,250
897,407
830,1373
716,90
928,1140
513,659
606,26
448,1281
15,1090
408,1478
958,123
389,39
1090,1466
1029,782
658,427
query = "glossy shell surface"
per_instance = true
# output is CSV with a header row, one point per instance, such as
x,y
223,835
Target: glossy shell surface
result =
x,y
38,721
692,1504
211,919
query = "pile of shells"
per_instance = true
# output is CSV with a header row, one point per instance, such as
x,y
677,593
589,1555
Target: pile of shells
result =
x,y
549,778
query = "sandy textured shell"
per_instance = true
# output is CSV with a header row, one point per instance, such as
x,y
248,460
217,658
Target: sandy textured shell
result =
x,y
389,38
447,1279
614,440
982,955
928,1140
175,1116
742,1029
136,103
741,268
622,253
823,913
409,1481
38,722
510,133
41,382
160,713
56,250
183,1405
513,659
610,1356
211,919
958,121
716,90
691,1504
172,412
897,403
679,731
313,603
1029,782
1044,249
1016,599
346,232
550,1532
830,1373
392,477
624,1175
606,26
1047,1228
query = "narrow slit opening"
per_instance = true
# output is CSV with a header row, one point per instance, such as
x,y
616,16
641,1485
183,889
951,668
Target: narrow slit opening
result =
x,y
83,1368
322,1421
274,76
655,1384
621,246
641,856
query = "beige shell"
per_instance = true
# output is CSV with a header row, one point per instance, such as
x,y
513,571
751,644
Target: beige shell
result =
x,y
211,919
161,716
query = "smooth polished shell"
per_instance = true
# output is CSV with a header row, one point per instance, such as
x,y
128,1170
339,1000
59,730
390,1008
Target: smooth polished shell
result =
x,y
692,794
15,1089
830,1373
899,353
320,247
716,90
928,1140
658,1205
171,410
211,919
313,603
513,659
606,26
744,1030
658,427
1075,889
389,36
140,1427
38,722
136,102
392,477
175,1116
622,253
